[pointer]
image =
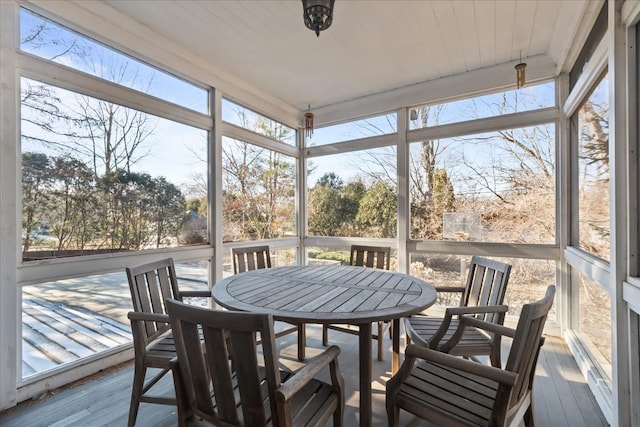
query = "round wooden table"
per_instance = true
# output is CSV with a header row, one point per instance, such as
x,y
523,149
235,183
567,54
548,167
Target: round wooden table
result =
x,y
331,294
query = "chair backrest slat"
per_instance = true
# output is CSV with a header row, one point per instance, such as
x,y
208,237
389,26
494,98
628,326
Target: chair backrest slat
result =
x,y
370,256
252,258
486,285
155,292
229,341
150,284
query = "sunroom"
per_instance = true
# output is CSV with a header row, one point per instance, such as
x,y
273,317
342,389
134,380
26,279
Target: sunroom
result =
x,y
131,131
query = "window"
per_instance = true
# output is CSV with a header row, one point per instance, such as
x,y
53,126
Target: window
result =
x,y
51,41
258,192
528,98
528,280
353,194
255,122
65,320
333,256
100,177
593,172
279,258
594,327
371,126
482,187
108,164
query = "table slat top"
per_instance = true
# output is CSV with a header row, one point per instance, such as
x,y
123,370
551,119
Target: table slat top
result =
x,y
325,294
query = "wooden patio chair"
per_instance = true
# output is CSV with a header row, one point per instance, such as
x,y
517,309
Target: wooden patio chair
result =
x,y
482,297
151,284
255,392
257,257
447,390
251,258
372,257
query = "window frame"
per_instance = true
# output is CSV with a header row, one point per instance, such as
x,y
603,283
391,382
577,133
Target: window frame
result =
x,y
578,261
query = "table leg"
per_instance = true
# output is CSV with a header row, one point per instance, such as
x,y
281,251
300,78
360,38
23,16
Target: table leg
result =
x,y
364,336
395,345
302,341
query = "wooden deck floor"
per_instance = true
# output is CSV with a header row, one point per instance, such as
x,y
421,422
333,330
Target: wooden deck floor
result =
x,y
561,397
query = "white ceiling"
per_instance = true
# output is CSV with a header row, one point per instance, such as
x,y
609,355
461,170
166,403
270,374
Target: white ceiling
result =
x,y
372,46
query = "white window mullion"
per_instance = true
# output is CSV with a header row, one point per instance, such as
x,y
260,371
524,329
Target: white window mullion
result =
x,y
618,152
10,356
563,203
215,185
404,208
232,131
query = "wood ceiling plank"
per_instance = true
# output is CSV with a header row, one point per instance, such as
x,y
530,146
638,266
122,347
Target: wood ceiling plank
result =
x,y
523,28
445,16
486,29
428,45
469,32
504,25
544,23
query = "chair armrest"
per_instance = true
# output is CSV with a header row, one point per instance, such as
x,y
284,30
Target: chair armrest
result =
x,y
460,312
148,317
196,294
460,289
487,326
496,374
457,311
305,374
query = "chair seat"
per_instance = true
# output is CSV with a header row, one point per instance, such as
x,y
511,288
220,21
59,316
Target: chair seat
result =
x,y
161,352
312,403
456,395
383,326
474,341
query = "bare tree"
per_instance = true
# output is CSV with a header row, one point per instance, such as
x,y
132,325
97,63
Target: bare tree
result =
x,y
112,136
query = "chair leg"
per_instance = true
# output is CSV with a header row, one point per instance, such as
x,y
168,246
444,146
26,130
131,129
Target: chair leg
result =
x,y
380,341
495,356
182,404
139,373
529,417
338,416
393,415
325,335
302,341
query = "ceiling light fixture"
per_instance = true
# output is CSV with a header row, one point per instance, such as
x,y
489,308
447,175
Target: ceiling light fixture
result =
x,y
318,14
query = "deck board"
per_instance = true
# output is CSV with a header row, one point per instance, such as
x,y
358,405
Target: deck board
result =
x,y
561,396
550,387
